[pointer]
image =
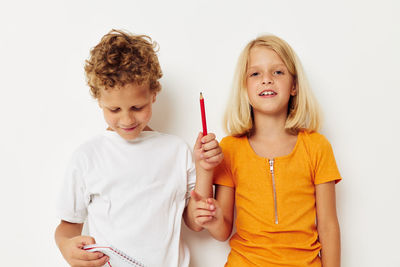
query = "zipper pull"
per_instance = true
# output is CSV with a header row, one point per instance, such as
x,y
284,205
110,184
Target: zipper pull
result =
x,y
271,165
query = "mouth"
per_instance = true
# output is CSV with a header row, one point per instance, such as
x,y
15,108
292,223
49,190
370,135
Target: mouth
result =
x,y
128,129
267,93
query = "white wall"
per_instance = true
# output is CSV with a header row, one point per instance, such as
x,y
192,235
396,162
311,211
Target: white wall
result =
x,y
350,50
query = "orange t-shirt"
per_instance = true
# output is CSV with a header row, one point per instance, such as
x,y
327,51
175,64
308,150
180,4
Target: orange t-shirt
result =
x,y
275,200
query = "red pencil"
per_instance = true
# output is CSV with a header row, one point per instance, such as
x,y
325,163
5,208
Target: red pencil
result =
x,y
203,114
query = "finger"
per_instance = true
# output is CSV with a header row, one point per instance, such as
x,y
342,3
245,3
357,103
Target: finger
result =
x,y
81,254
209,137
210,145
196,196
204,213
212,203
198,143
203,205
203,220
86,240
211,153
216,159
94,263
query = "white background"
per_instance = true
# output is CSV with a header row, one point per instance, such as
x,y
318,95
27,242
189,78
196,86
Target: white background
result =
x,y
350,51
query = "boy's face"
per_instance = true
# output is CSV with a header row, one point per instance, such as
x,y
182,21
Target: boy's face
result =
x,y
127,109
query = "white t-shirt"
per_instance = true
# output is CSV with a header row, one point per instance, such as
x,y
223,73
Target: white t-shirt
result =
x,y
132,194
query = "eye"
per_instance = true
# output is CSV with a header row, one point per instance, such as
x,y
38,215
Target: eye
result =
x,y
115,110
253,74
278,72
134,108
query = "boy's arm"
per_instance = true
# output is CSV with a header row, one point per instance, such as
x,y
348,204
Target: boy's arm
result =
x,y
67,230
208,155
327,224
70,242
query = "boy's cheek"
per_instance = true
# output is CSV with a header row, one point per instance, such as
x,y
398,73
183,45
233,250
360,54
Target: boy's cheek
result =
x,y
111,122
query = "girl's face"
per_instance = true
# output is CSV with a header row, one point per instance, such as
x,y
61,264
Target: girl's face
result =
x,y
269,83
127,110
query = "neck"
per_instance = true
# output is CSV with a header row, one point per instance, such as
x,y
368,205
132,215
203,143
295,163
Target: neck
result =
x,y
269,126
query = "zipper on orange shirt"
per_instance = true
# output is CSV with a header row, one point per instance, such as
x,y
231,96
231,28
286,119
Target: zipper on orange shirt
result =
x,y
271,169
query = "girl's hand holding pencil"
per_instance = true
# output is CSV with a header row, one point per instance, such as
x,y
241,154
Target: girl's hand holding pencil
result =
x,y
207,155
207,152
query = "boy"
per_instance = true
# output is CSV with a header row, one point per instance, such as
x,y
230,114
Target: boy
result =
x,y
130,184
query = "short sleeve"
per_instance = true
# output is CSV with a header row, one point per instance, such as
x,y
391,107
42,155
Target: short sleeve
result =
x,y
325,166
191,174
72,202
223,172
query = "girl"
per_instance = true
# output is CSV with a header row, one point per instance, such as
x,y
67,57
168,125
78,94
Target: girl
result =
x,y
277,170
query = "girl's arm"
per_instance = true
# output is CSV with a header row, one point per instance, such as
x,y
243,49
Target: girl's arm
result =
x,y
204,188
207,155
327,224
215,215
221,225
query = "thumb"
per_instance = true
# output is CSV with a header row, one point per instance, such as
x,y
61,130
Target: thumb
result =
x,y
196,196
198,143
87,240
212,202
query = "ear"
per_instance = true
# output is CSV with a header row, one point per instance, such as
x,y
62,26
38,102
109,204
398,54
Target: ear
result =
x,y
154,97
293,91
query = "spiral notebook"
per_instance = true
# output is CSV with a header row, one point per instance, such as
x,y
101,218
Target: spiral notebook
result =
x,y
117,257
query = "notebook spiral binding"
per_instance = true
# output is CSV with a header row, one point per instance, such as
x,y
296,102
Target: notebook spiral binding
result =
x,y
127,258
115,253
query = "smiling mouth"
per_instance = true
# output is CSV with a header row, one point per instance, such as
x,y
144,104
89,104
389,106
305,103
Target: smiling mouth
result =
x,y
129,129
267,93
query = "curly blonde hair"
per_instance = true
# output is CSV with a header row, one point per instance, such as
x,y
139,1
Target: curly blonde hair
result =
x,y
122,58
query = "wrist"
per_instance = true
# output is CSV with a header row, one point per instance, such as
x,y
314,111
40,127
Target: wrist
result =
x,y
218,230
200,170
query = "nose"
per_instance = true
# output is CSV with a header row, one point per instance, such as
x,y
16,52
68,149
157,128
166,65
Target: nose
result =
x,y
127,119
267,79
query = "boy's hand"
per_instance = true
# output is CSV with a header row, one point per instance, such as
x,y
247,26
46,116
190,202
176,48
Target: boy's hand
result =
x,y
207,152
72,250
207,211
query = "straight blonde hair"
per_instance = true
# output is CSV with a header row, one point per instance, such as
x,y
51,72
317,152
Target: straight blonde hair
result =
x,y
303,109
